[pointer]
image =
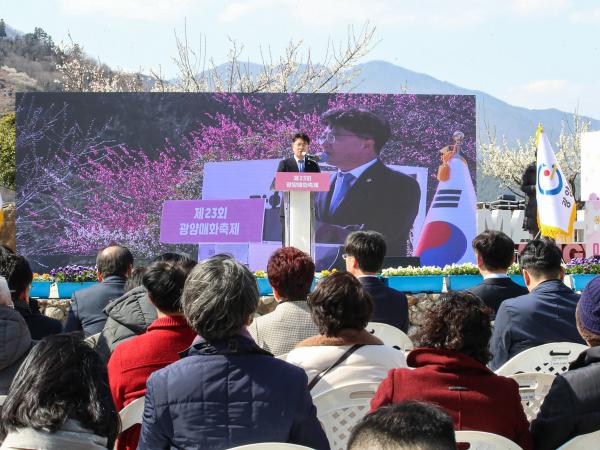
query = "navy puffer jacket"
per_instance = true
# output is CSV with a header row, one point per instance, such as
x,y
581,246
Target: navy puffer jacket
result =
x,y
225,394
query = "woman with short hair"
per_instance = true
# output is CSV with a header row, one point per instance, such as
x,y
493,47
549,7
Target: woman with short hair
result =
x,y
226,391
60,399
449,369
344,352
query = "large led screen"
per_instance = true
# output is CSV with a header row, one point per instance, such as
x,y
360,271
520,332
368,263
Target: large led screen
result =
x,y
95,169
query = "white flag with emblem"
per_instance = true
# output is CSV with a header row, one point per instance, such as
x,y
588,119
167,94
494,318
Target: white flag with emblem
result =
x,y
556,205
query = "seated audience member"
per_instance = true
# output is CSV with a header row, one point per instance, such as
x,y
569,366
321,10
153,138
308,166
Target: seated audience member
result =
x,y
113,266
365,252
131,314
15,339
226,391
448,369
405,426
546,314
19,276
495,253
571,406
344,352
60,399
135,279
290,273
134,360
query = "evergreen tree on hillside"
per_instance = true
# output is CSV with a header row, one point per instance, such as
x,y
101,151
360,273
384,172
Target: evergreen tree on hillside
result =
x,y
2,28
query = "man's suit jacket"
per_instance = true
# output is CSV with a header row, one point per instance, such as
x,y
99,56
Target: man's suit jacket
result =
x,y
381,199
87,305
494,291
390,305
291,165
546,314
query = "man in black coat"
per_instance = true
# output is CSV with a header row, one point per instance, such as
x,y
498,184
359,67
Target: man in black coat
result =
x,y
365,194
300,162
495,253
365,251
571,406
18,274
114,265
545,315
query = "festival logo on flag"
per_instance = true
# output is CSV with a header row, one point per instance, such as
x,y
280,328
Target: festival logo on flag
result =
x,y
451,222
555,201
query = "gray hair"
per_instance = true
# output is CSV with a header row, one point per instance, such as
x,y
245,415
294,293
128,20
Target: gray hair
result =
x,y
218,297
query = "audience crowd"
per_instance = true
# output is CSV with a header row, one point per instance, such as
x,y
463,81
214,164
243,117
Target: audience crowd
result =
x,y
185,337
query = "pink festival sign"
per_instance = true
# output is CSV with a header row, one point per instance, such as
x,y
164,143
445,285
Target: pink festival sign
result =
x,y
301,181
212,221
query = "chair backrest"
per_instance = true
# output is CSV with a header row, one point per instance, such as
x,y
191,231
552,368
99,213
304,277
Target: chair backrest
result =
x,y
340,408
533,388
132,413
390,335
480,440
582,442
271,446
553,358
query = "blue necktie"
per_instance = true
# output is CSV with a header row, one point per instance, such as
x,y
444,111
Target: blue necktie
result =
x,y
300,166
342,184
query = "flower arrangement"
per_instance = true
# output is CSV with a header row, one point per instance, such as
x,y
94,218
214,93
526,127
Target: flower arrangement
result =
x,y
42,277
460,269
412,271
583,266
325,273
260,274
514,269
73,273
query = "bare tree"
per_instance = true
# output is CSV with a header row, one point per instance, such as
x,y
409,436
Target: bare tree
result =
x,y
293,71
506,163
79,73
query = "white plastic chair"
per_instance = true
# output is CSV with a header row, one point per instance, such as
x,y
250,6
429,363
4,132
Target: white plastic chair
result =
x,y
553,358
271,446
480,440
582,442
132,414
533,388
392,336
340,408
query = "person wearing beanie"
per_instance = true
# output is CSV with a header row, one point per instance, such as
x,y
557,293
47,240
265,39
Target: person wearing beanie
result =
x,y
571,406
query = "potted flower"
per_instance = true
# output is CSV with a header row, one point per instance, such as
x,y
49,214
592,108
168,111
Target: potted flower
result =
x,y
72,278
515,274
462,276
582,271
264,288
415,279
40,287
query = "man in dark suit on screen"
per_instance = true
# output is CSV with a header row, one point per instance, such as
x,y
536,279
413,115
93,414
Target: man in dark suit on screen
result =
x,y
495,253
365,194
300,162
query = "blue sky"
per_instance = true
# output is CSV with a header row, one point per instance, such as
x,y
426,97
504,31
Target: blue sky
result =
x,y
532,53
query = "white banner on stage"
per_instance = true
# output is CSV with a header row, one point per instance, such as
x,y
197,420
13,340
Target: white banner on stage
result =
x,y
590,164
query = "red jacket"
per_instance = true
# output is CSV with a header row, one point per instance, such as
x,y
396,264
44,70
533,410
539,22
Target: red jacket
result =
x,y
475,397
134,360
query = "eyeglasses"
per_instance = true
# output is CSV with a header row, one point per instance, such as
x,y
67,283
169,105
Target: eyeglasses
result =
x,y
330,138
